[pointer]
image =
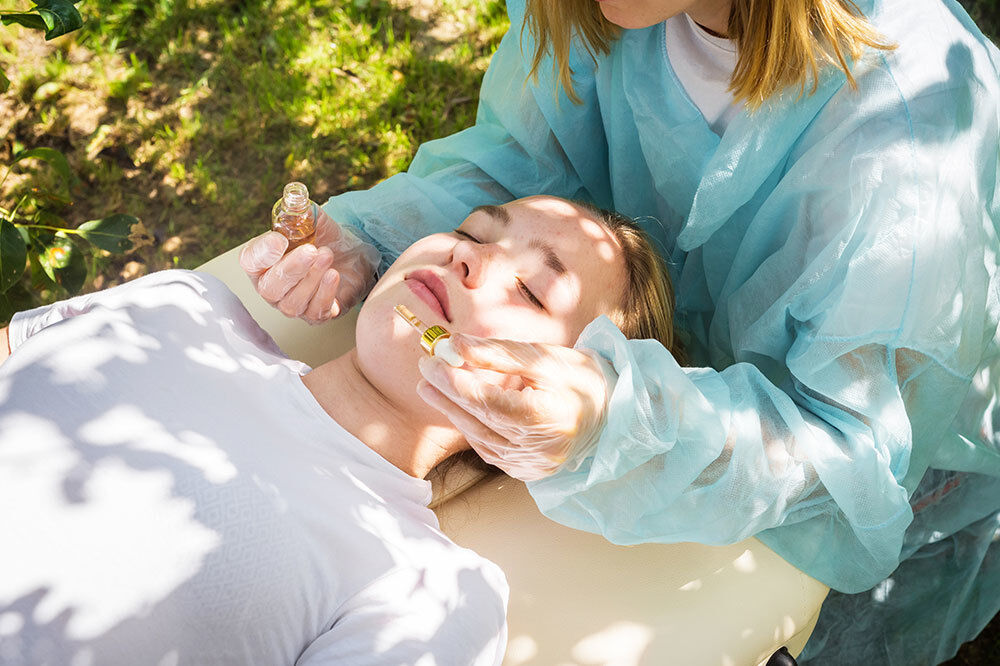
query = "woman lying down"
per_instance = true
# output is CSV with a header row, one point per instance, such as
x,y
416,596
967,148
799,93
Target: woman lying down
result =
x,y
174,490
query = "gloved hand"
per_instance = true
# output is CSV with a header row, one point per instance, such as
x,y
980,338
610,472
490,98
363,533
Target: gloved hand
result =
x,y
546,407
316,281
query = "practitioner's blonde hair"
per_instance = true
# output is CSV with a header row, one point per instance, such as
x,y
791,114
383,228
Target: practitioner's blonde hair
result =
x,y
780,43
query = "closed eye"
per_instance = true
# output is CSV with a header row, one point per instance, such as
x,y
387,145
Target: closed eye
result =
x,y
523,288
468,236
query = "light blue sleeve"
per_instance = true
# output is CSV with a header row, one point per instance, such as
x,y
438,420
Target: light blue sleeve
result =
x,y
694,454
521,145
851,313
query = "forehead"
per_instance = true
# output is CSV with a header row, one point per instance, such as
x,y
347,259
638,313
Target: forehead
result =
x,y
590,252
567,226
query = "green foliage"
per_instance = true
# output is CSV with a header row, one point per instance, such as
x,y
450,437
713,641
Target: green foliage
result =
x,y
208,107
13,254
33,233
110,233
54,17
55,159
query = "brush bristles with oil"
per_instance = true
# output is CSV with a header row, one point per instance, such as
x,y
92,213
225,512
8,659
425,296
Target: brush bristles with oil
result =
x,y
410,318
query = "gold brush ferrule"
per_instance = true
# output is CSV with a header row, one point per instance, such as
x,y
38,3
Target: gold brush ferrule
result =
x,y
430,337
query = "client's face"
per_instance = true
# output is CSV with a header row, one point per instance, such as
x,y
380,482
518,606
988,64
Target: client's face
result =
x,y
536,270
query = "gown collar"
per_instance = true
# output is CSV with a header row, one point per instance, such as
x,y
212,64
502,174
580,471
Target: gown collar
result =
x,y
752,149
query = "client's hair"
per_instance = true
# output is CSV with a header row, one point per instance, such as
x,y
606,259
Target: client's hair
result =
x,y
647,309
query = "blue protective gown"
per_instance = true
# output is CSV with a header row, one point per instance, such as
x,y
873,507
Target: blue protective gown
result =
x,y
835,262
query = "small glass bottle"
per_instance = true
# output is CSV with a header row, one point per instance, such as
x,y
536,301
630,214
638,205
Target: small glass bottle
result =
x,y
293,215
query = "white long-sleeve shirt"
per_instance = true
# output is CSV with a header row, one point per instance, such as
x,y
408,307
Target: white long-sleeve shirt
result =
x,y
171,493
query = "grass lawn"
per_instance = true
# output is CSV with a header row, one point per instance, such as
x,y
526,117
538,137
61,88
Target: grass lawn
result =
x,y
192,114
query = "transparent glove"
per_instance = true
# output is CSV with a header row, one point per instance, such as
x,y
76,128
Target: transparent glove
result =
x,y
316,281
525,407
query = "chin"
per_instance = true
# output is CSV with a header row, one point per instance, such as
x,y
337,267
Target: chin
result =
x,y
623,19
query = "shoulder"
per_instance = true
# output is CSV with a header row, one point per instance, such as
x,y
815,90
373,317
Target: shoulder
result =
x,y
940,54
443,574
144,297
461,596
165,287
203,285
192,291
453,608
449,569
191,300
933,99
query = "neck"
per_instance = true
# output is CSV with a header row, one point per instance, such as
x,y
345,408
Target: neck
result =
x,y
713,16
401,434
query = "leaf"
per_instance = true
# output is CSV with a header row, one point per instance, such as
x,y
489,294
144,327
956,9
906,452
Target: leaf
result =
x,y
27,19
74,275
64,263
55,17
4,83
110,233
48,260
60,15
39,279
13,253
55,159
7,309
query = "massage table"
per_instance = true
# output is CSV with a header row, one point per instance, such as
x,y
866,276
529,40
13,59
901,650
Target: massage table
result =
x,y
576,599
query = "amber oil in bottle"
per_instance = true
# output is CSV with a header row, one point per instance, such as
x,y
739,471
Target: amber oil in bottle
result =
x,y
293,215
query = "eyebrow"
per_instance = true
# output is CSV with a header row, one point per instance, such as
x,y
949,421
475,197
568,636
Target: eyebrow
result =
x,y
552,259
496,212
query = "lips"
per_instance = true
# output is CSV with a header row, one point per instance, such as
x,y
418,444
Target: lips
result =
x,y
430,289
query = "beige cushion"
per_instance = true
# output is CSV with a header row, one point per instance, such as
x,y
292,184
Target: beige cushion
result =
x,y
575,598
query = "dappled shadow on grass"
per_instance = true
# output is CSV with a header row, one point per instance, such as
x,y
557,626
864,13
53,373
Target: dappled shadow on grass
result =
x,y
207,108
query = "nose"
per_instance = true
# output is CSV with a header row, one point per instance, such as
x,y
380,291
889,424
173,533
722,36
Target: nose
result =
x,y
472,261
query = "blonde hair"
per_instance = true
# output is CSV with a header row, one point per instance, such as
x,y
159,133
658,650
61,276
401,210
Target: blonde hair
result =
x,y
647,307
780,43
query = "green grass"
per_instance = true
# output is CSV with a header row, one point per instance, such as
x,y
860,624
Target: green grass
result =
x,y
192,115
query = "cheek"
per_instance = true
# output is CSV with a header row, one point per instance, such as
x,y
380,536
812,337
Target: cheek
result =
x,y
387,351
521,324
